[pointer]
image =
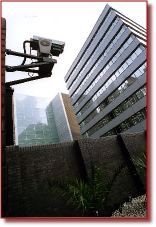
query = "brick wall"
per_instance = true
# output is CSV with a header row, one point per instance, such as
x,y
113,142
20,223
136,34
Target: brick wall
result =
x,y
109,153
30,169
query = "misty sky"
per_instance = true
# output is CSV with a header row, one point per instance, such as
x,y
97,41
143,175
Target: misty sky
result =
x,y
70,22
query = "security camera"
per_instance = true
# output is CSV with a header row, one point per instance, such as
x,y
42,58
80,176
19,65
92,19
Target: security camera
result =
x,y
46,46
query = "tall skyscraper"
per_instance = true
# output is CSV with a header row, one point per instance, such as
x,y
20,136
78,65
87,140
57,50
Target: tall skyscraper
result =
x,y
107,80
44,121
66,120
34,121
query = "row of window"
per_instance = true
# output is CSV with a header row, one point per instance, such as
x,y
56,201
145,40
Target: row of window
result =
x,y
29,112
137,33
122,107
32,142
115,76
128,123
92,42
129,21
106,68
114,58
20,122
24,115
106,51
22,101
33,136
30,120
32,129
96,50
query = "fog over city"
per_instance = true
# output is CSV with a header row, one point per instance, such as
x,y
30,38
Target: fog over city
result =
x,y
70,22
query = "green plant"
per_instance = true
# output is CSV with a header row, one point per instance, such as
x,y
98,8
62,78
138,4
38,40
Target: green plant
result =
x,y
141,162
90,197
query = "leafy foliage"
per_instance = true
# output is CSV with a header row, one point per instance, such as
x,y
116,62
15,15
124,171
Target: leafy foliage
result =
x,y
90,197
141,162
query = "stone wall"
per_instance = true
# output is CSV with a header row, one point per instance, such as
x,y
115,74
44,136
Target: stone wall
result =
x,y
31,168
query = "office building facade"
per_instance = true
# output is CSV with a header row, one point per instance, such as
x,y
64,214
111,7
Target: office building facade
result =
x,y
107,80
34,121
66,121
44,121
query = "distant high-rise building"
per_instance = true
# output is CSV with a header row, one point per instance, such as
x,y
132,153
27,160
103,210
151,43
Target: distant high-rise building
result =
x,y
42,121
66,120
107,80
34,124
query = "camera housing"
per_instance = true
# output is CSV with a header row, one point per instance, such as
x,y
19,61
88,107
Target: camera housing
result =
x,y
46,46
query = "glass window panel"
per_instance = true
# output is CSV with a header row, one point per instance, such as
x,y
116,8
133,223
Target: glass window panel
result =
x,y
105,120
31,136
120,33
102,106
142,69
107,67
110,98
120,89
22,137
104,70
134,119
28,113
22,142
110,63
133,56
129,61
128,103
29,120
116,94
125,45
127,125
138,73
144,113
140,116
115,40
139,94
48,140
138,51
114,59
117,73
117,111
125,106
109,81
124,66
106,85
134,98
39,141
122,127
121,50
113,78
117,55
39,136
103,88
111,132
143,91
124,86
129,40
120,70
